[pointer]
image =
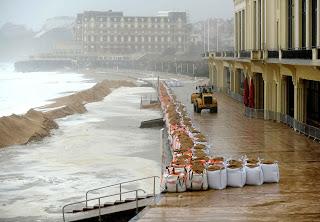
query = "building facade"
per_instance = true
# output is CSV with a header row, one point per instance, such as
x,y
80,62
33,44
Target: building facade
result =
x,y
112,33
275,66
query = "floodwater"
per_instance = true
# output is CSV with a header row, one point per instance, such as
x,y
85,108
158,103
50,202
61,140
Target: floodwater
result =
x,y
21,91
98,148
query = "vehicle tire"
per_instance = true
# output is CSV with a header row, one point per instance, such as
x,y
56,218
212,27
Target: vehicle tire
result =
x,y
214,110
198,110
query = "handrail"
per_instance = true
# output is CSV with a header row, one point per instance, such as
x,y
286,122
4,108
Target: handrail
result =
x,y
120,185
99,198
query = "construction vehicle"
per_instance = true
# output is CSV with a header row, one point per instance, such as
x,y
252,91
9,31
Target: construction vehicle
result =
x,y
204,99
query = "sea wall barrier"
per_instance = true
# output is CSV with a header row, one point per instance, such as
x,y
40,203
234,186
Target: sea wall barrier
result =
x,y
187,164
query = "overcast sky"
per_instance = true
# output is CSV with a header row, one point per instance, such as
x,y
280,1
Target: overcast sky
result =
x,y
34,12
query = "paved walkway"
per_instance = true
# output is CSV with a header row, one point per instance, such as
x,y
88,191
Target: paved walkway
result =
x,y
295,198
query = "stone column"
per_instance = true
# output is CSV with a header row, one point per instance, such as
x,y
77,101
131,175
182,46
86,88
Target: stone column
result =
x,y
283,29
235,31
232,79
262,13
318,21
297,23
268,95
282,96
241,29
236,81
257,33
308,24
210,71
299,101
220,74
281,101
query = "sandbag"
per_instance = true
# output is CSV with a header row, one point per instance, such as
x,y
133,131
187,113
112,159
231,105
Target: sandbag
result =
x,y
197,181
270,172
217,178
254,175
236,177
175,183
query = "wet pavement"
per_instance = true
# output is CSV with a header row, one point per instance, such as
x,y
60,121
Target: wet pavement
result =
x,y
231,134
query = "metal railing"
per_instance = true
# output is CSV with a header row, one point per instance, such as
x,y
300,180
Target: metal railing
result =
x,y
298,126
99,201
229,54
120,187
297,54
235,96
273,54
245,54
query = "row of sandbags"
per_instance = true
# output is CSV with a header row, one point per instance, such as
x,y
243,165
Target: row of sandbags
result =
x,y
188,146
233,173
237,173
192,168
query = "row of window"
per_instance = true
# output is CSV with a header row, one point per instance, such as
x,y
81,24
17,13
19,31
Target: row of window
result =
x,y
127,32
303,12
131,47
93,38
126,19
93,25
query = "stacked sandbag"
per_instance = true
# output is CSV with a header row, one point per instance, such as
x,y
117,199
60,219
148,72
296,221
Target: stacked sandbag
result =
x,y
254,174
217,177
174,182
270,171
236,174
197,177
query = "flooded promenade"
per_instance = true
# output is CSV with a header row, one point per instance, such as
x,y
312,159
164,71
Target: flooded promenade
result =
x,y
231,134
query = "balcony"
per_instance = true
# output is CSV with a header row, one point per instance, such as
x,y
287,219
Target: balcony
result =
x,y
219,54
297,54
273,54
229,54
245,54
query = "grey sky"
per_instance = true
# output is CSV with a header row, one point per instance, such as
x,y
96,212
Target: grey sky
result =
x,y
34,12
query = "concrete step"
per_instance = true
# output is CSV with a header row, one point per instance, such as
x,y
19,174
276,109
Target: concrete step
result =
x,y
110,204
130,199
150,195
119,202
109,207
87,208
107,204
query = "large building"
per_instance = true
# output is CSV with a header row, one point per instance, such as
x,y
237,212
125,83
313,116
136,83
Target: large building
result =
x,y
112,33
275,66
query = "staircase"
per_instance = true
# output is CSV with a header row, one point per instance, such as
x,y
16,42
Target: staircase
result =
x,y
98,207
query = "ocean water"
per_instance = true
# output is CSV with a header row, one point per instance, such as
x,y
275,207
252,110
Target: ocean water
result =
x,y
21,91
97,148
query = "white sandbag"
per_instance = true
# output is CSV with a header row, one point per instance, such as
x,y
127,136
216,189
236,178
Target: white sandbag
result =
x,y
236,177
180,169
270,173
196,181
217,179
254,175
175,183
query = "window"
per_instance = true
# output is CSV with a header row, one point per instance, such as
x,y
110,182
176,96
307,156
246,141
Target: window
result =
x,y
304,16
314,23
290,24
